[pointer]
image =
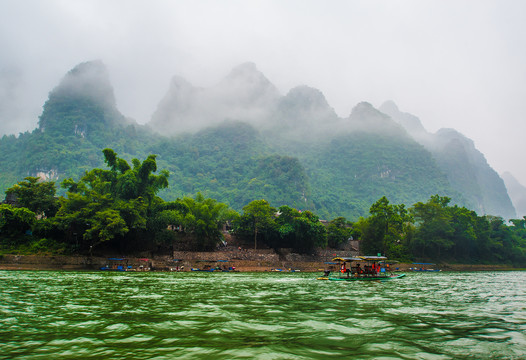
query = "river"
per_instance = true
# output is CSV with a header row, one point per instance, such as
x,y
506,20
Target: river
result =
x,y
107,315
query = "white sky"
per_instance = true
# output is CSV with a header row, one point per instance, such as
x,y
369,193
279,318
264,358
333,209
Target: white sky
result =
x,y
452,63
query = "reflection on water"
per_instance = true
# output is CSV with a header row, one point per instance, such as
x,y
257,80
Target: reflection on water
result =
x,y
65,315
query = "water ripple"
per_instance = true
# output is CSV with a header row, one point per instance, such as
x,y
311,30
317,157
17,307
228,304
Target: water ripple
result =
x,y
91,315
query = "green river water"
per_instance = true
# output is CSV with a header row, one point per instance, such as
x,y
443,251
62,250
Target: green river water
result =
x,y
106,315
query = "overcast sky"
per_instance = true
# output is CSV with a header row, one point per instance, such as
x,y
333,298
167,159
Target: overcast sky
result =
x,y
458,63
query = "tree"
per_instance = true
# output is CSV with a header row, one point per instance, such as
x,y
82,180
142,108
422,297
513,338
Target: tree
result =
x,y
131,183
259,215
464,235
339,231
205,218
301,231
37,196
108,204
14,222
434,230
385,230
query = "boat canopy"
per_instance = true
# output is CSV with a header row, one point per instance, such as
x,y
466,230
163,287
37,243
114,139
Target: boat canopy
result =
x,y
373,258
360,258
347,259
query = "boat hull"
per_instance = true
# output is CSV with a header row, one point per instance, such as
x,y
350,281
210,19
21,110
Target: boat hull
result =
x,y
362,278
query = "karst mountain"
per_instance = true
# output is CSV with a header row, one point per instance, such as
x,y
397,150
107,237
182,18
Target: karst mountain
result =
x,y
242,140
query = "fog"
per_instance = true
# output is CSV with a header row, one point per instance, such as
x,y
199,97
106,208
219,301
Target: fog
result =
x,y
454,64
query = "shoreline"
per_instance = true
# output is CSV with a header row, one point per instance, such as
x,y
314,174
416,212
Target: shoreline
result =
x,y
262,262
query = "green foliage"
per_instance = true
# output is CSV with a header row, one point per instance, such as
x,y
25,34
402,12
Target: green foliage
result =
x,y
285,228
350,171
14,224
257,218
301,231
339,230
107,204
386,229
38,197
204,219
233,163
434,229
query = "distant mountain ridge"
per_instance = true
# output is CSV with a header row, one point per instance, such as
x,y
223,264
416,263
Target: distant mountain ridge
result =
x,y
241,140
466,168
517,193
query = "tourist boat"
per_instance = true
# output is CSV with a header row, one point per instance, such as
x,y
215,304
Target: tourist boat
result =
x,y
424,267
116,264
361,268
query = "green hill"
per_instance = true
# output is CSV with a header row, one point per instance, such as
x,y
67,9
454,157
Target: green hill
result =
x,y
335,167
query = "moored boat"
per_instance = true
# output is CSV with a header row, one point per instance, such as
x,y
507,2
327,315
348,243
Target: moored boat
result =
x,y
424,267
361,268
116,264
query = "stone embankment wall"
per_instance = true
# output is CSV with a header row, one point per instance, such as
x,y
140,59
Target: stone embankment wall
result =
x,y
241,259
56,262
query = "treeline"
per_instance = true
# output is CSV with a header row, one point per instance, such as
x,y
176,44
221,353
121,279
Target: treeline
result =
x,y
117,209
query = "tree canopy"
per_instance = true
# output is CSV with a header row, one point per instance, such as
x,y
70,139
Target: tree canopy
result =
x,y
119,208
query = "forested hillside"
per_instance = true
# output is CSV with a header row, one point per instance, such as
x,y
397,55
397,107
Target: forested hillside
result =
x,y
466,168
289,150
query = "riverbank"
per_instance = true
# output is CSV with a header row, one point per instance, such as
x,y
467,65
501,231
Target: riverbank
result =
x,y
241,260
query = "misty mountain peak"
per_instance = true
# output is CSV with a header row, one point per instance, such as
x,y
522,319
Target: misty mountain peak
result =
x,y
306,105
411,123
247,86
303,113
365,117
87,80
245,70
245,94
365,111
82,102
180,94
389,107
176,108
307,97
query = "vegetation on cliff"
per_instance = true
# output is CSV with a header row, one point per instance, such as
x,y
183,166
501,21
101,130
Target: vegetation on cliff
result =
x,y
291,150
118,210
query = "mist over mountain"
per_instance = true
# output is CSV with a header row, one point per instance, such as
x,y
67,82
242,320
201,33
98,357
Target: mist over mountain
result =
x,y
466,168
241,140
87,87
244,94
411,123
517,193
365,118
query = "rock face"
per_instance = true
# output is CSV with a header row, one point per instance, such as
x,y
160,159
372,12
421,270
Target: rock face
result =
x,y
466,168
517,193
